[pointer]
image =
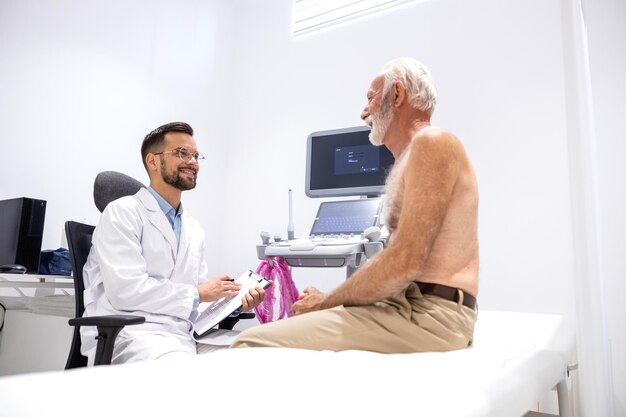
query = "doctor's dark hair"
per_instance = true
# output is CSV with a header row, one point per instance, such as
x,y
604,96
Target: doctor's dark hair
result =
x,y
154,140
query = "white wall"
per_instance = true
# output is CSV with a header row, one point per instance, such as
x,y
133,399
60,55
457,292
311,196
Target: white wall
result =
x,y
501,92
606,24
83,82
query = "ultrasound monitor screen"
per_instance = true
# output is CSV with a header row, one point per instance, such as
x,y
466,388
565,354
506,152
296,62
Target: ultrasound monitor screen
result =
x,y
343,162
360,159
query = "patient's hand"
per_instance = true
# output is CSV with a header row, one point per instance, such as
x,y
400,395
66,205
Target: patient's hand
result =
x,y
253,298
310,300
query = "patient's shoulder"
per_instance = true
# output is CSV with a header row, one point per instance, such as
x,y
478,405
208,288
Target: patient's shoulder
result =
x,y
439,146
434,145
435,137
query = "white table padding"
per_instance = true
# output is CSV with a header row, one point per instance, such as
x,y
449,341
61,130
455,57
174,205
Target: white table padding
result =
x,y
516,359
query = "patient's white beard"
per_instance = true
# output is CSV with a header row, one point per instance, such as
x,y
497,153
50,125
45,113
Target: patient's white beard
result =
x,y
379,123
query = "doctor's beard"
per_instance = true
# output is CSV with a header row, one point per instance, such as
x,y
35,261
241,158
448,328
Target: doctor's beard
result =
x,y
379,122
175,180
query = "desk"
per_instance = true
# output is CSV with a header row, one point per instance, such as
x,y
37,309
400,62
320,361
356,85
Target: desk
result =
x,y
36,281
36,337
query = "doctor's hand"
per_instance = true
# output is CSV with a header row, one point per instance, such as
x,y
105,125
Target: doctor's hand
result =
x,y
253,298
310,300
218,287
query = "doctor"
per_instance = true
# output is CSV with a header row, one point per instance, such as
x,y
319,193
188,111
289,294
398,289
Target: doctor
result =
x,y
147,257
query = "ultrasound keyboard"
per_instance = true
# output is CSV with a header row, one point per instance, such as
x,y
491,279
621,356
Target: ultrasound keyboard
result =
x,y
336,230
328,225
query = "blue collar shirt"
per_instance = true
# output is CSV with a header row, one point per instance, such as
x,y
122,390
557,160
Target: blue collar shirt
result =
x,y
172,216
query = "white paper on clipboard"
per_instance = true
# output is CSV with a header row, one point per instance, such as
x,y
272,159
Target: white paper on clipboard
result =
x,y
212,313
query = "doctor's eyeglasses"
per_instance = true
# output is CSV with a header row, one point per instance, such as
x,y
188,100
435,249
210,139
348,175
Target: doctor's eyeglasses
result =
x,y
183,154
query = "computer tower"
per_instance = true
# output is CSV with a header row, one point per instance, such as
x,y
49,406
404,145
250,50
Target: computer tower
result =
x,y
21,232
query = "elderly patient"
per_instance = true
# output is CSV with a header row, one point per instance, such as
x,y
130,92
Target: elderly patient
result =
x,y
418,294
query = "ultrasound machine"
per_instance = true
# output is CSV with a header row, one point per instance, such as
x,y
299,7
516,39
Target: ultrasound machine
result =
x,y
339,163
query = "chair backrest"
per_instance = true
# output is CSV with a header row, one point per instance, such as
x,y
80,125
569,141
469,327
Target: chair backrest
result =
x,y
111,185
108,186
79,243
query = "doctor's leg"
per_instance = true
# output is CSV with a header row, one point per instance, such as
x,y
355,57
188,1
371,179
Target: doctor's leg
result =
x,y
149,345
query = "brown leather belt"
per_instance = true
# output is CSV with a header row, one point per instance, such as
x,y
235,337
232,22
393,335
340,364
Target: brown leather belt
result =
x,y
449,293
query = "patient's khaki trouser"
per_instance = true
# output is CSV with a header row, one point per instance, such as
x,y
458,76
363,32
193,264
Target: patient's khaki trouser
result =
x,y
408,322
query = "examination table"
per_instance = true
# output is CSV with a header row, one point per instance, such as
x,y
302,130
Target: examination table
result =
x,y
516,359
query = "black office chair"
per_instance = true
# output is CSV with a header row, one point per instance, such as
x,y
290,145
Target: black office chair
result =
x,y
79,243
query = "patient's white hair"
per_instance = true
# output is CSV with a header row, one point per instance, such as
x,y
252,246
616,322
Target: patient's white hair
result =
x,y
420,89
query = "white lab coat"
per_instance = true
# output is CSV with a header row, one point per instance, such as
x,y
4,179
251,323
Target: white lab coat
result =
x,y
134,267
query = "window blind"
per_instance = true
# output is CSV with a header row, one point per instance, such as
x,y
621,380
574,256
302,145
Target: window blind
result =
x,y
311,15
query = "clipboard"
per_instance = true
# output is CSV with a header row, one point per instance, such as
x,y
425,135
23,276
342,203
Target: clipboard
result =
x,y
212,313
